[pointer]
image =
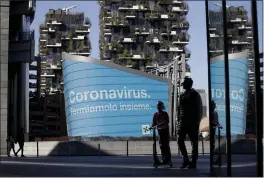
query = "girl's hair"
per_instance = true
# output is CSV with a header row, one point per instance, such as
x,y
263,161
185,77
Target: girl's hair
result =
x,y
161,105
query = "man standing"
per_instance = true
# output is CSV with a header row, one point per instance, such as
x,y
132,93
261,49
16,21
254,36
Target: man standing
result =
x,y
190,112
21,140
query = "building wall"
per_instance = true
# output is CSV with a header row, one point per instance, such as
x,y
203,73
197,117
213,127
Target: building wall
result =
x,y
4,31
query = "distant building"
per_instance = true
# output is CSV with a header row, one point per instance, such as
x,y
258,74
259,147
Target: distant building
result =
x,y
143,34
203,95
62,31
47,117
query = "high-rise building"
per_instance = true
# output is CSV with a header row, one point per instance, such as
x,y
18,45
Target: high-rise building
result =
x,y
239,29
62,31
143,34
16,52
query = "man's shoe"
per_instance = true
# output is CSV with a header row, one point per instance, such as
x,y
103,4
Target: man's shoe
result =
x,y
192,165
22,156
185,164
8,155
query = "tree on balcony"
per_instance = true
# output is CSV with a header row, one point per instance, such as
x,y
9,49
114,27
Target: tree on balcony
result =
x,y
185,23
87,21
58,37
126,53
129,62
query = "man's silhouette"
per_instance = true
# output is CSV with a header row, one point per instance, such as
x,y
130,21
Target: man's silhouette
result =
x,y
21,140
189,117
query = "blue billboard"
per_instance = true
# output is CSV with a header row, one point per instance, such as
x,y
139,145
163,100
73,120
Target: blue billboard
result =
x,y
105,99
238,81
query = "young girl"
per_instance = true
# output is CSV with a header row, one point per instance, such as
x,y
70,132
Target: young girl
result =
x,y
161,121
10,145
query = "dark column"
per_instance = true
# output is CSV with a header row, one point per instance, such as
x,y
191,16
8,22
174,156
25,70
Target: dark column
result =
x,y
258,98
209,80
227,92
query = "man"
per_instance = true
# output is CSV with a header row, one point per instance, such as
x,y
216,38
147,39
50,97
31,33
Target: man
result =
x,y
21,140
190,112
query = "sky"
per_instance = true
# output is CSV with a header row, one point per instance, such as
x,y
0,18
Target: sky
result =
x,y
197,30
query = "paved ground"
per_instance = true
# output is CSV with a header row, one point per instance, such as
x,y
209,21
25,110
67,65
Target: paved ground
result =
x,y
136,166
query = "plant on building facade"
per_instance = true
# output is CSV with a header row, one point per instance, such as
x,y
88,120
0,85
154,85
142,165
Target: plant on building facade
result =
x,y
87,21
129,62
81,45
126,53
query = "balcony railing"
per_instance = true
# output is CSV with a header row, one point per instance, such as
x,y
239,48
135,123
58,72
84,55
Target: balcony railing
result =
x,y
32,85
32,76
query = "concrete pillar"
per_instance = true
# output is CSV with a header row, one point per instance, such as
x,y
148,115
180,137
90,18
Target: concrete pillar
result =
x,y
4,36
24,82
24,98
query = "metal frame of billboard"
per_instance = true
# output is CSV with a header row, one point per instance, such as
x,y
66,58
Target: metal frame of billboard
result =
x,y
131,71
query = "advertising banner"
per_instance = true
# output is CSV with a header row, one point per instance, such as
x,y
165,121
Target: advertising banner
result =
x,y
105,99
238,80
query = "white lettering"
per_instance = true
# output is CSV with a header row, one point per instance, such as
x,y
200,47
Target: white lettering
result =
x,y
72,98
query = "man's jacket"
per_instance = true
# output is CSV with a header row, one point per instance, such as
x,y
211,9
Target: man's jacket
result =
x,y
190,109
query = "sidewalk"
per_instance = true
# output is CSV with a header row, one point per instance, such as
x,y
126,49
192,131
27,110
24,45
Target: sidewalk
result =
x,y
113,166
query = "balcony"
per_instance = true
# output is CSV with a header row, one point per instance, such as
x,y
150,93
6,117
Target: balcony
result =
x,y
47,74
183,8
152,40
164,2
152,16
82,29
22,47
176,49
32,76
177,1
130,16
53,43
52,67
32,85
244,27
51,30
238,20
181,25
181,39
127,40
54,22
125,7
114,22
141,31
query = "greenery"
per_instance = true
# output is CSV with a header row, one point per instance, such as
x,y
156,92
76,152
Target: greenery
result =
x,y
126,53
70,45
87,21
129,62
151,15
81,45
164,1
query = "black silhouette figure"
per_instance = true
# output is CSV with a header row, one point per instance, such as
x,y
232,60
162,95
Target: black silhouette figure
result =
x,y
10,145
190,112
214,124
161,121
21,140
